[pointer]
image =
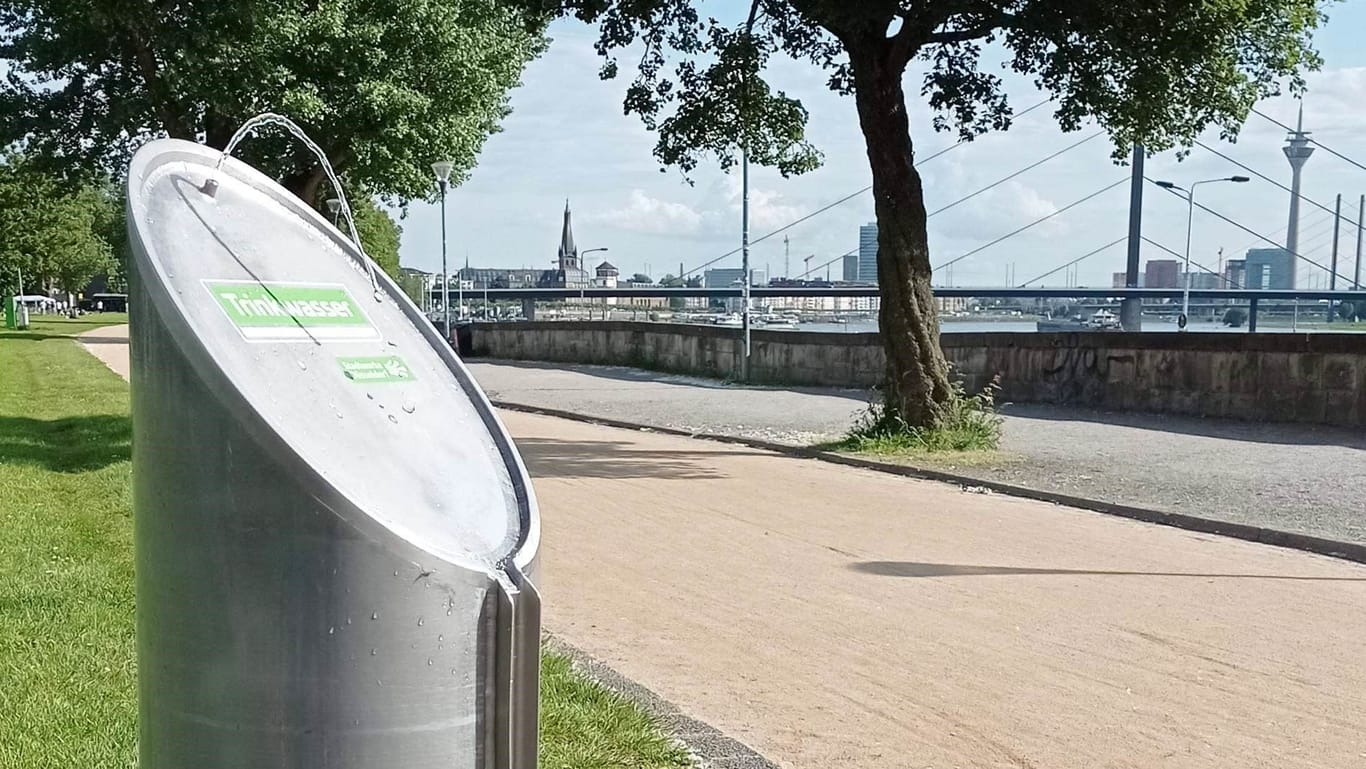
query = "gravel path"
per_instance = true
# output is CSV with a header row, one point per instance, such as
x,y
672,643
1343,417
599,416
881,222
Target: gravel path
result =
x,y
1299,478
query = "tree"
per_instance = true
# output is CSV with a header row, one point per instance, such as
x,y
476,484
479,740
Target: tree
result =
x,y
379,234
641,277
1235,317
49,231
1348,311
1158,72
384,86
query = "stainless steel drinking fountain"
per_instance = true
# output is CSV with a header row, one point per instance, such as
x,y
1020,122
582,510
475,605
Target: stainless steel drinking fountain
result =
x,y
334,534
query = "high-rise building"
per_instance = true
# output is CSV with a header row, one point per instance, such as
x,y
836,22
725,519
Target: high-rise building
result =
x,y
850,268
1201,281
1162,273
1235,273
1297,151
1269,268
1119,279
867,253
725,277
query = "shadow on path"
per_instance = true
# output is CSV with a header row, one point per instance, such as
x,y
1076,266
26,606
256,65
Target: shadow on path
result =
x,y
68,445
553,458
914,569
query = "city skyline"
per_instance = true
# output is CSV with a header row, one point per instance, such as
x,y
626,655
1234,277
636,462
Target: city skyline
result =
x,y
506,218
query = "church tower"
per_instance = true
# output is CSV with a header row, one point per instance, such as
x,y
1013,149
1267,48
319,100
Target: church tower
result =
x,y
569,254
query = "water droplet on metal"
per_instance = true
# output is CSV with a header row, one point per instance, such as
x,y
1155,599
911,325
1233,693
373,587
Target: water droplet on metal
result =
x,y
348,620
420,622
395,572
441,637
409,407
303,365
429,661
374,615
332,630
393,419
371,396
452,671
372,652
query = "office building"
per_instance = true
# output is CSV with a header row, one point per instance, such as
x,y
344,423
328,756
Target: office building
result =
x,y
725,277
867,253
1162,273
1269,268
1121,280
1201,281
851,268
1235,273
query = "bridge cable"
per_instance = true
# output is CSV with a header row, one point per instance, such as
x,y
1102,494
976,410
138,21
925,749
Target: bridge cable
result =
x,y
1040,220
1253,232
1086,255
846,199
1315,142
1149,240
1266,178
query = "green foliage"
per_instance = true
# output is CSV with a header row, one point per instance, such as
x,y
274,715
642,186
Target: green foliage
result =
x,y
1128,66
966,423
641,277
384,86
1235,317
50,230
379,233
1349,310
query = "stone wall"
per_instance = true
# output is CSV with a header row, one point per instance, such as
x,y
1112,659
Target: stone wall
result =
x,y
1319,378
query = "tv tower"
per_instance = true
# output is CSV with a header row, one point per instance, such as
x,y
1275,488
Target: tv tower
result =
x,y
1297,151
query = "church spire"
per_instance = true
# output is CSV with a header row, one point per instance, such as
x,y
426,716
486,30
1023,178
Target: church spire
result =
x,y
569,254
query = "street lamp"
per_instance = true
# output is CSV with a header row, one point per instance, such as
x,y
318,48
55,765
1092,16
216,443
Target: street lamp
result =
x,y
442,169
334,208
1189,194
584,262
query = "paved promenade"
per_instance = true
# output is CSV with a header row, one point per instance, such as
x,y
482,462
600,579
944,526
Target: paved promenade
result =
x,y
1300,478
833,616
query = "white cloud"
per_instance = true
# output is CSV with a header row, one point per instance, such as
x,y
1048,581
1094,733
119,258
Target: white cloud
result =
x,y
643,213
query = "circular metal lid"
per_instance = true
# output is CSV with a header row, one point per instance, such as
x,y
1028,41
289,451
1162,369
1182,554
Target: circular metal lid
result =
x,y
353,380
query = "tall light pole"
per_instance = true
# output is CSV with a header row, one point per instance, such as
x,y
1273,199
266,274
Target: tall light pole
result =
x,y
1190,217
442,169
744,204
583,261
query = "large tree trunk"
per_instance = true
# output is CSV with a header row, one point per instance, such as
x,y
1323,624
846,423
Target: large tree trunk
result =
x,y
917,375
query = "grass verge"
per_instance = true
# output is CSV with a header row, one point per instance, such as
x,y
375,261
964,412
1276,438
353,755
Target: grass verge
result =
x,y
67,674
969,426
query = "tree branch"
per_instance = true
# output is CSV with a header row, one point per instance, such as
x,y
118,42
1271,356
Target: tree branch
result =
x,y
963,35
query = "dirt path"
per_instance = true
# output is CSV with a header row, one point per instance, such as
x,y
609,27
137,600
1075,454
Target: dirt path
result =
x,y
110,346
836,617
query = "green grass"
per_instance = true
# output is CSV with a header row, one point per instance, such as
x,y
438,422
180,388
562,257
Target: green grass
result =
x,y
969,429
67,673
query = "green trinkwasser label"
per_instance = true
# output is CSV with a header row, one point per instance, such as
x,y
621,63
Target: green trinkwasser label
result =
x,y
291,311
376,369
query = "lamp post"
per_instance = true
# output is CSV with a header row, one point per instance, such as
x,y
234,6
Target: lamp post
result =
x,y
1190,217
442,169
584,262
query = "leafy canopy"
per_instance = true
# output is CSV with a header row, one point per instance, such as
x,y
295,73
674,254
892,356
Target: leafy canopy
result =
x,y
50,232
1157,72
384,86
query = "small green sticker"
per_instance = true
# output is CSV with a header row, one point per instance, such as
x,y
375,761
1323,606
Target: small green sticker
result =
x,y
285,311
377,369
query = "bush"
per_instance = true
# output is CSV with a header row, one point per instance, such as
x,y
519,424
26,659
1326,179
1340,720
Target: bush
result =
x,y
1235,317
968,423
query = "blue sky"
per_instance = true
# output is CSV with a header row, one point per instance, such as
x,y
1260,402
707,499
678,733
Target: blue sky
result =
x,y
567,138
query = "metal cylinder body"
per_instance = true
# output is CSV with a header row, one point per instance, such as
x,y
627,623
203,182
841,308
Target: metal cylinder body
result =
x,y
313,588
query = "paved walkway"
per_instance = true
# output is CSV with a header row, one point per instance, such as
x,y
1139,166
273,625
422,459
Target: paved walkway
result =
x,y
1299,478
832,616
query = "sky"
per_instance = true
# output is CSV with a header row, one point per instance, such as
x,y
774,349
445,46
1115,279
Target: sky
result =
x,y
567,139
